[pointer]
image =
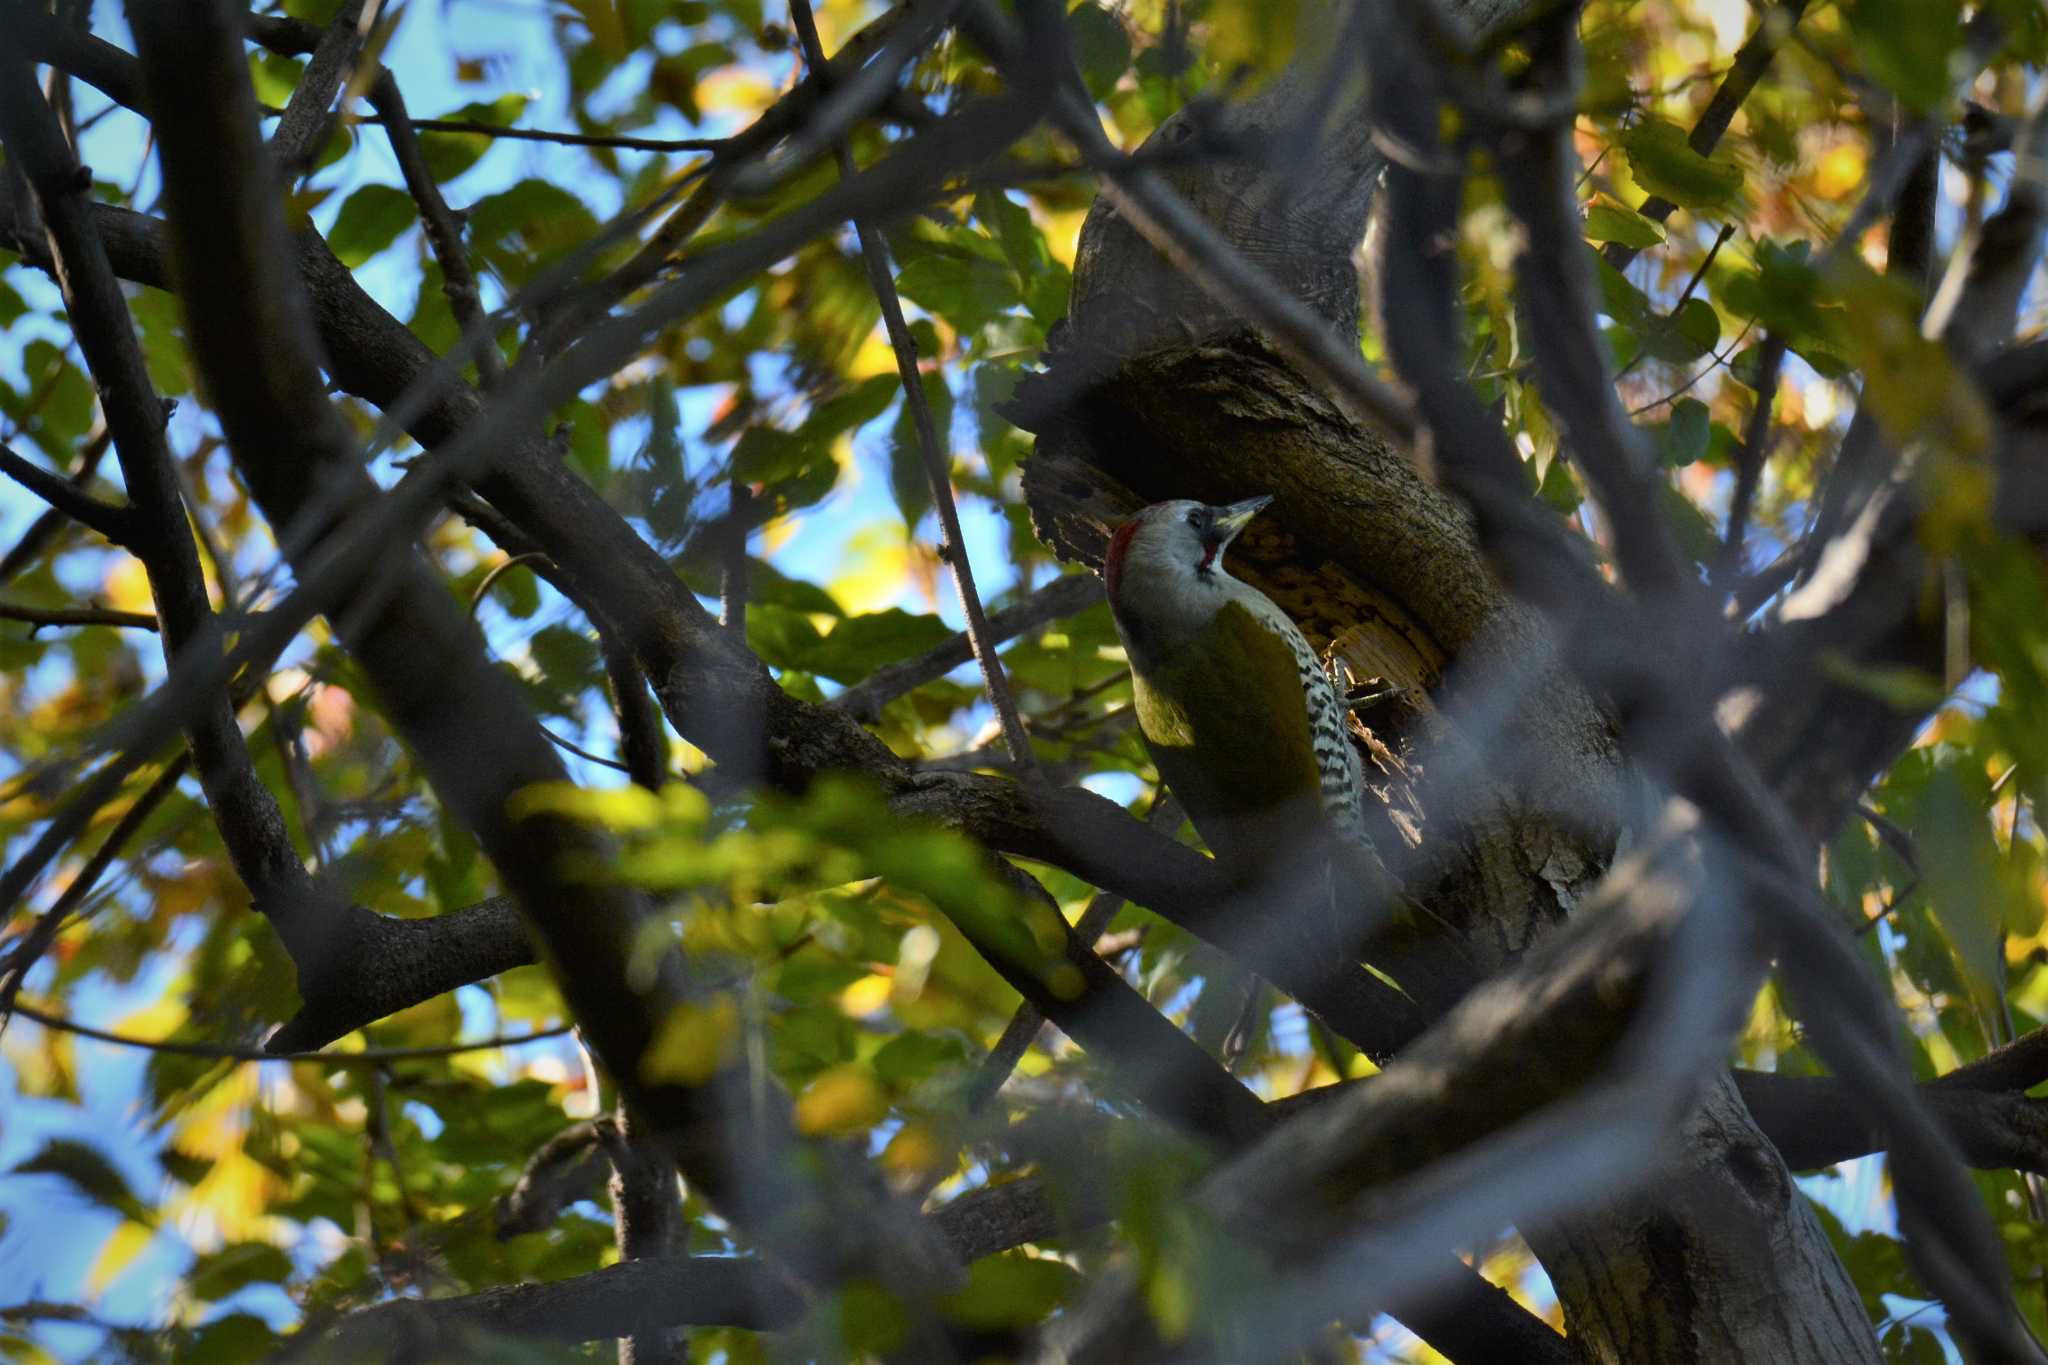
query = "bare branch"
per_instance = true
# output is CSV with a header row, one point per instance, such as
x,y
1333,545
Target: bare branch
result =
x,y
304,124
76,616
444,234
68,497
224,1052
620,141
45,528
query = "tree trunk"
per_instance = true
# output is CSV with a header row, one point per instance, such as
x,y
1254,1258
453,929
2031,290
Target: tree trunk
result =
x,y
1155,391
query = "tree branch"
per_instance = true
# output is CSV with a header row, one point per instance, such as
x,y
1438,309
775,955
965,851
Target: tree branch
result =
x,y
444,234
45,528
76,616
1812,1121
252,338
68,497
223,1052
250,823
304,123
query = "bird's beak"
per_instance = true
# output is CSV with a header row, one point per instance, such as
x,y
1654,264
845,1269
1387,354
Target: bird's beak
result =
x,y
1233,518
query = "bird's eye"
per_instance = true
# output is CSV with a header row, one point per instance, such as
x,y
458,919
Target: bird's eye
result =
x,y
1195,517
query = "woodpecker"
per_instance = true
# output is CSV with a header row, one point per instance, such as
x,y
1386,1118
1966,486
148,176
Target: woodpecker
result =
x,y
1235,708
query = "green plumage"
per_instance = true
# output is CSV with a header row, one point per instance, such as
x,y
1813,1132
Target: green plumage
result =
x,y
1226,720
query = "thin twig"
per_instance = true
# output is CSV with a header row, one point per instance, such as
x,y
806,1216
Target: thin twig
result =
x,y
1749,461
598,759
1684,295
953,546
67,496
444,232
51,922
75,616
44,528
1720,358
619,141
224,1052
498,571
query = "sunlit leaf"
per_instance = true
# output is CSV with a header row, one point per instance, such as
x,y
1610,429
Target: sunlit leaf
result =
x,y
1613,223
1663,163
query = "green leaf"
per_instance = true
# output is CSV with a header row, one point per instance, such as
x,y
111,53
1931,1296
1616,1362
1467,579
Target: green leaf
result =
x,y
370,220
1559,489
909,1058
1613,223
1663,163
852,409
1255,35
859,645
1909,46
1102,47
1960,862
1682,438
433,320
275,77
1695,534
163,341
589,440
966,290
568,661
783,638
522,228
1619,299
236,1266
448,155
1685,336
768,584
229,1340
87,1170
1010,1290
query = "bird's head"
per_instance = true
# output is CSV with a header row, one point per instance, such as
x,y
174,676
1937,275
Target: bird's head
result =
x,y
1174,550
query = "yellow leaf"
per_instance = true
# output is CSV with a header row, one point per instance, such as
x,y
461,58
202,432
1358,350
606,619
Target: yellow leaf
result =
x,y
869,995
128,1242
232,1202
616,808
693,1043
841,1102
734,89
877,568
1840,171
127,586
874,357
155,1021
915,1150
